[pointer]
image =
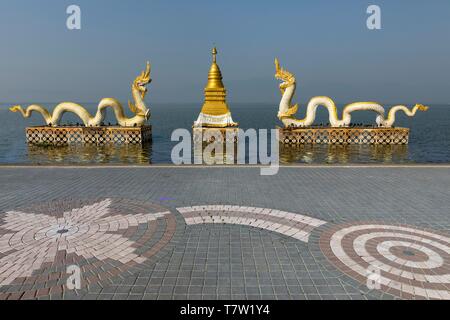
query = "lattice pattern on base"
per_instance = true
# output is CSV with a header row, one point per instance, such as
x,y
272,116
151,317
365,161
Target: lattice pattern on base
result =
x,y
215,134
88,135
344,136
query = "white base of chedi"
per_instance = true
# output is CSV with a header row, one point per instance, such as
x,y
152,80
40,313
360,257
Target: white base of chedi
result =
x,y
221,121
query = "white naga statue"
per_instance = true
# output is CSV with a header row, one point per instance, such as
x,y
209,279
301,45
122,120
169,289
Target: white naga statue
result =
x,y
287,111
138,89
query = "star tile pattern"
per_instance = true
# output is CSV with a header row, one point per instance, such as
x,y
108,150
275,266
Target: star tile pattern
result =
x,y
104,237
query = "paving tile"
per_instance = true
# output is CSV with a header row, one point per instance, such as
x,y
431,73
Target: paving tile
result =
x,y
267,244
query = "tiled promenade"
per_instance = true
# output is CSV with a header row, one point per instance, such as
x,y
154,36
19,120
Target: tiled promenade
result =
x,y
225,233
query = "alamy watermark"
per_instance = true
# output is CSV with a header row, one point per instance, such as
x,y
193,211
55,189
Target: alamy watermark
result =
x,y
373,278
215,147
73,21
74,280
374,20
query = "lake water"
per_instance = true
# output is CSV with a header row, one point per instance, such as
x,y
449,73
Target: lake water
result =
x,y
429,138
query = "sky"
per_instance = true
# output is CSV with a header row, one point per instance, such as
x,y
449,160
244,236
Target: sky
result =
x,y
326,44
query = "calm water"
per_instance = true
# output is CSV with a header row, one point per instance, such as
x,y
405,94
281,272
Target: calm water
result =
x,y
429,139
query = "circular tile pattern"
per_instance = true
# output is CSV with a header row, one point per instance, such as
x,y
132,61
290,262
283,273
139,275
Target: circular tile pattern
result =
x,y
401,260
103,237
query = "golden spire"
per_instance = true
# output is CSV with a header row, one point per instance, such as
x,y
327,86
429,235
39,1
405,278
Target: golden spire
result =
x,y
215,99
214,75
215,92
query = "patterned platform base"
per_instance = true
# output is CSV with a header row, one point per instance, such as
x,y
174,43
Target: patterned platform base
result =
x,y
344,136
90,135
215,134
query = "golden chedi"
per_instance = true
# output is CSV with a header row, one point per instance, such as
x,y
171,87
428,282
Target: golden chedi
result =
x,y
215,112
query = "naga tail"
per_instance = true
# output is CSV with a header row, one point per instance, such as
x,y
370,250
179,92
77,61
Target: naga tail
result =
x,y
421,107
25,113
409,112
16,109
28,111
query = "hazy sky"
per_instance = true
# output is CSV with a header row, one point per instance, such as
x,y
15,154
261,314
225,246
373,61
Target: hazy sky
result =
x,y
325,43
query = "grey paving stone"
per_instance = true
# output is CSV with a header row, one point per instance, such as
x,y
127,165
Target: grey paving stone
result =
x,y
231,261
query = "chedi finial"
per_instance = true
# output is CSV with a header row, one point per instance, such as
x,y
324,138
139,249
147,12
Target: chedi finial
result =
x,y
214,54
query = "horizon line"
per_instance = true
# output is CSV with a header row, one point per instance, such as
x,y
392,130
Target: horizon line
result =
x,y
229,102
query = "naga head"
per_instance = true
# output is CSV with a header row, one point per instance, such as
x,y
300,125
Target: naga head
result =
x,y
141,82
283,75
421,107
140,86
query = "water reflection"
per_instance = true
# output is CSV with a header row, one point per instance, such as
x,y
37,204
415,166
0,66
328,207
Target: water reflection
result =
x,y
344,154
142,154
216,153
333,154
75,154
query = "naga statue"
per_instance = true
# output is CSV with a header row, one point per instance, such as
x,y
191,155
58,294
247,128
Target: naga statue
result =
x,y
286,110
138,89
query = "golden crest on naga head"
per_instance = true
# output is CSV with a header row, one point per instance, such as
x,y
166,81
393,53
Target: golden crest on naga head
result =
x,y
282,74
140,83
143,79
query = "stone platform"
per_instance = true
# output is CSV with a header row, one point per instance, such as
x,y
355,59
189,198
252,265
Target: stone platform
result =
x,y
90,135
344,136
